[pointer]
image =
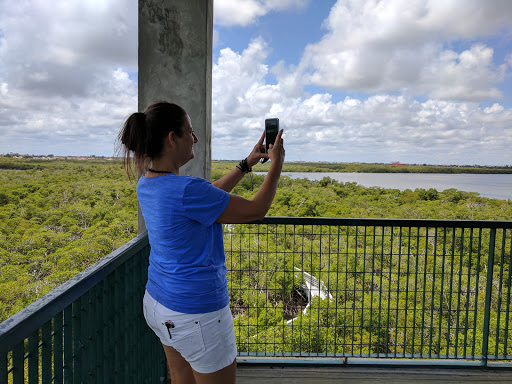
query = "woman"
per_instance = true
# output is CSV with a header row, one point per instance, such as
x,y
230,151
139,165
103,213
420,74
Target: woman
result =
x,y
186,301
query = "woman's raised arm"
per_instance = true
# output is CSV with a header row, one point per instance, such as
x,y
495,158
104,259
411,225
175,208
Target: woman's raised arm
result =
x,y
240,210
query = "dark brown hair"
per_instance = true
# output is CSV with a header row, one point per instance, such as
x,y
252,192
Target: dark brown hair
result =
x,y
143,133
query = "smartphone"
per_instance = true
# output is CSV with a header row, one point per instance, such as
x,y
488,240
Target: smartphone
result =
x,y
271,130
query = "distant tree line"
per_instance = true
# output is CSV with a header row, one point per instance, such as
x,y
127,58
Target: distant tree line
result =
x,y
374,168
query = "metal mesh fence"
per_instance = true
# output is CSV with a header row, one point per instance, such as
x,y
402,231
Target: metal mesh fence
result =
x,y
396,290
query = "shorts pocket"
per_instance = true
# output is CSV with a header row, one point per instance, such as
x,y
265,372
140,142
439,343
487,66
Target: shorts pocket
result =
x,y
187,339
186,335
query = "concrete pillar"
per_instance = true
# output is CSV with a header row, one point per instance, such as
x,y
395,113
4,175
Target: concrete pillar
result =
x,y
175,64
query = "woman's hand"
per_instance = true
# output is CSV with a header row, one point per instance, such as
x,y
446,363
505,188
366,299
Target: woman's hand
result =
x,y
276,151
257,153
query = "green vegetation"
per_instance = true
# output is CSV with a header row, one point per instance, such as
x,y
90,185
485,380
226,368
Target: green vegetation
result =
x,y
60,216
57,218
370,168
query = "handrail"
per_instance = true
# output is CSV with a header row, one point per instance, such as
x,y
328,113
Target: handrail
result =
x,y
431,223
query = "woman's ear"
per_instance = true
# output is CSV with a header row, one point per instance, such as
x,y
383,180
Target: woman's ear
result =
x,y
171,138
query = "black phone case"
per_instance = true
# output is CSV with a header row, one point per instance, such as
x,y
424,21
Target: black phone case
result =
x,y
271,131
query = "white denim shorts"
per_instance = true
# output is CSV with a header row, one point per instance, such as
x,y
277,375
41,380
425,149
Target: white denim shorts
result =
x,y
206,340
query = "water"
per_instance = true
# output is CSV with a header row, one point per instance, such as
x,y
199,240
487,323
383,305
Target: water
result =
x,y
494,186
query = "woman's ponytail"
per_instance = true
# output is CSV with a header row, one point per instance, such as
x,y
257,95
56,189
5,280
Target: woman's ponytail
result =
x,y
134,138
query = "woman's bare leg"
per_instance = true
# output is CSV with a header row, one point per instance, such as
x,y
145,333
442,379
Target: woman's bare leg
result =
x,y
181,371
226,375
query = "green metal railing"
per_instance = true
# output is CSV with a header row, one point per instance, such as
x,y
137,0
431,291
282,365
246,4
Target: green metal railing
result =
x,y
88,330
300,287
385,288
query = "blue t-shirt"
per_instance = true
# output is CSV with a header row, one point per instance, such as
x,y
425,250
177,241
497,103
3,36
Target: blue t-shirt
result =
x,y
187,271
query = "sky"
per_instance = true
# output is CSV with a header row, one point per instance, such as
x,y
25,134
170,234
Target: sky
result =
x,y
414,81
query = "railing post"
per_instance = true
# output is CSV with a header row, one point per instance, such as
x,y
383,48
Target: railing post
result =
x,y
46,353
3,366
18,365
33,357
488,295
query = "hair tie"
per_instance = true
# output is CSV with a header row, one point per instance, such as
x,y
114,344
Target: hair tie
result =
x,y
141,116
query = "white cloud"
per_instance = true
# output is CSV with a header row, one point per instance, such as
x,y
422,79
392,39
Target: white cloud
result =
x,y
496,108
38,76
65,44
385,46
245,12
236,12
469,75
240,78
4,88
